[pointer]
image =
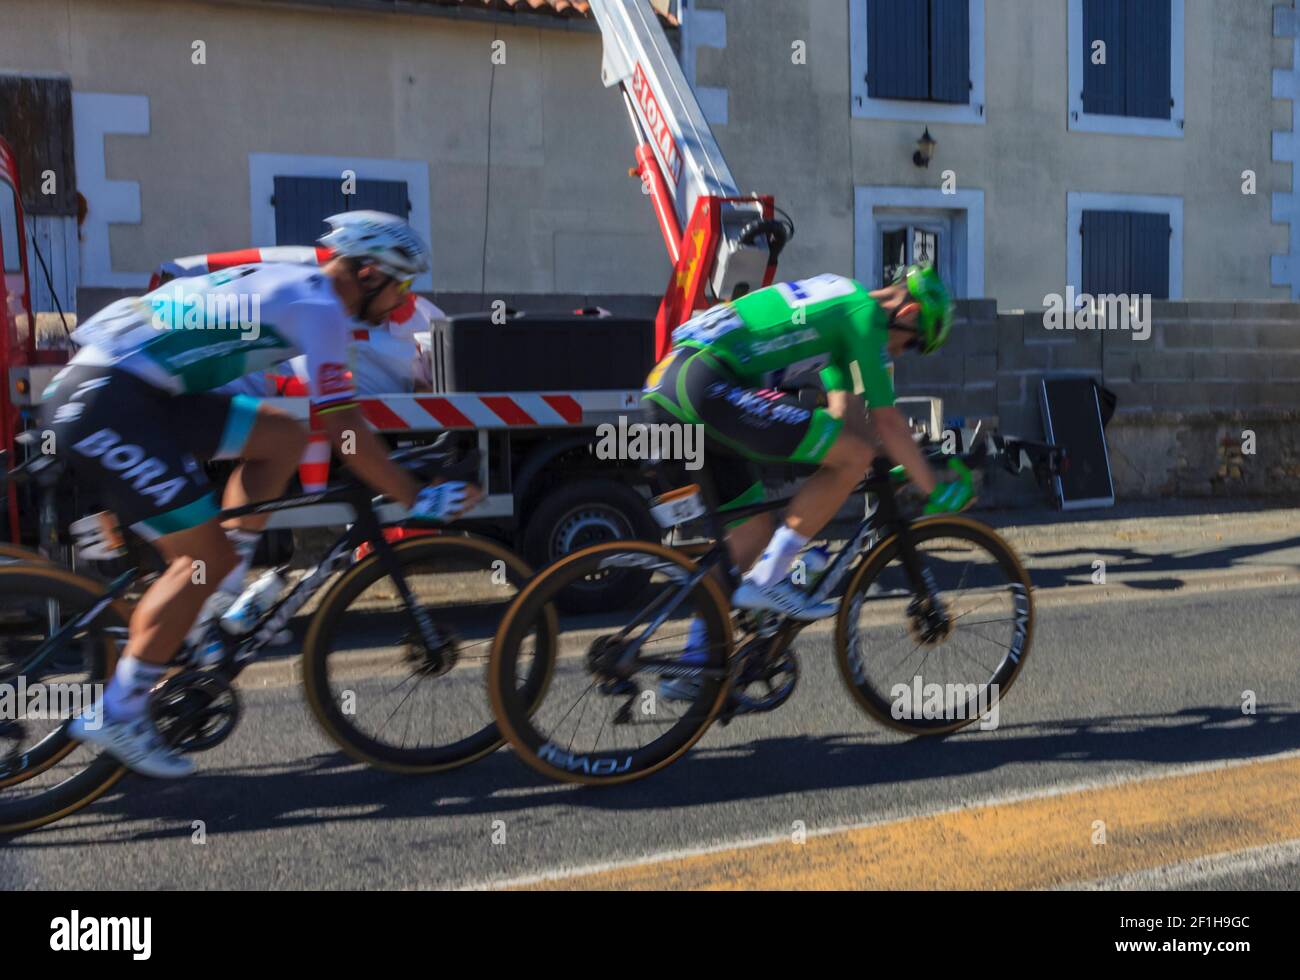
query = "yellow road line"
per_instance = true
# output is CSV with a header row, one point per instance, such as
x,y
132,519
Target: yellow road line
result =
x,y
1032,843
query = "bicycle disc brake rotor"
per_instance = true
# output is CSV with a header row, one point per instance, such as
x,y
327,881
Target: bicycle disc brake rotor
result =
x,y
430,662
195,710
928,621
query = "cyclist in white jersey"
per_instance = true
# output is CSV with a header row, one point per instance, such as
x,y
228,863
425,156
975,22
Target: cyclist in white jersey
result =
x,y
134,413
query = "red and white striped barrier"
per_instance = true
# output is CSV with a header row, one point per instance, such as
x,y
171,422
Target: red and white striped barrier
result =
x,y
436,413
201,265
507,411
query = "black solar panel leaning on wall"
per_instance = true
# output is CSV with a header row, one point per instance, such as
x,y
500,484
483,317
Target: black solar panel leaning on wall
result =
x,y
1072,419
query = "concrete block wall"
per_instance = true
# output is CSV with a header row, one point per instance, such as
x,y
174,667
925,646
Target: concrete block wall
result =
x,y
1206,369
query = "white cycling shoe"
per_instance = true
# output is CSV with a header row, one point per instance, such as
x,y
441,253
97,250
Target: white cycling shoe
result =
x,y
683,688
783,598
134,743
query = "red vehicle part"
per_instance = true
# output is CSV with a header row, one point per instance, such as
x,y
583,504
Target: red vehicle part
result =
x,y
392,535
15,301
693,266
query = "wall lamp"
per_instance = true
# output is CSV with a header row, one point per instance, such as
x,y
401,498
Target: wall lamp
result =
x,y
924,149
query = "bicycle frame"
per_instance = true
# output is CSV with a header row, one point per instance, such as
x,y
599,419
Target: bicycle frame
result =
x,y
366,528
886,516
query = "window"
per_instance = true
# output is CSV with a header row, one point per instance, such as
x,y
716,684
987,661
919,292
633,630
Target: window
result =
x,y
1126,73
1125,252
910,238
303,203
36,119
896,226
1125,244
271,222
918,60
919,49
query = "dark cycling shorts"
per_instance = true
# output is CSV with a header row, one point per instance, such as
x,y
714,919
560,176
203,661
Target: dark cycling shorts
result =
x,y
743,425
143,447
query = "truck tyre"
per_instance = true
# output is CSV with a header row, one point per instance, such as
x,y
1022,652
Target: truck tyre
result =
x,y
572,516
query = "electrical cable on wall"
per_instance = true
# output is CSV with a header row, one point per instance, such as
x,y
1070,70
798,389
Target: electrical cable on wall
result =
x,y
487,186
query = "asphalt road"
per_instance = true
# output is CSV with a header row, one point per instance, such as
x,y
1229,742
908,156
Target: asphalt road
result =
x,y
1123,759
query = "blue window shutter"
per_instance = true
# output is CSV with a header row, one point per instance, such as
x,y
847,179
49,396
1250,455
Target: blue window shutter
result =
x,y
1106,252
1125,252
1147,36
302,204
899,49
950,51
380,195
1149,247
1105,86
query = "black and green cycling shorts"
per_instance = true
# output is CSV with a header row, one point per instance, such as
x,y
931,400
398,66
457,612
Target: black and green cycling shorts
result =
x,y
743,425
143,447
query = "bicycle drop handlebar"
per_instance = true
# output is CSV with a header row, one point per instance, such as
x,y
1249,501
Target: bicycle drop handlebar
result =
x,y
1015,456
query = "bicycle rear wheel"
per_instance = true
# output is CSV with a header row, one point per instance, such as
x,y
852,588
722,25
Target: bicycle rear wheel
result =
x,y
373,687
604,718
931,667
44,775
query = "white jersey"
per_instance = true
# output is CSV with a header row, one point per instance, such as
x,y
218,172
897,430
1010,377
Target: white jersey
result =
x,y
200,333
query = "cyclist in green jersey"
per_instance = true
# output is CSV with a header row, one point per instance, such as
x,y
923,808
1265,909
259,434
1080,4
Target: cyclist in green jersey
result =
x,y
733,369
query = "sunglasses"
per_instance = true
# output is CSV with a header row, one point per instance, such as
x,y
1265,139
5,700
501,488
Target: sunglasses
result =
x,y
403,286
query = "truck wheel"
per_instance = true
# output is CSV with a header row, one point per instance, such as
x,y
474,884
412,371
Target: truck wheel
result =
x,y
573,516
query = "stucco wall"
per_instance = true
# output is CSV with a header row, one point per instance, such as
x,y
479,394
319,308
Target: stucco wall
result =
x,y
790,132
564,215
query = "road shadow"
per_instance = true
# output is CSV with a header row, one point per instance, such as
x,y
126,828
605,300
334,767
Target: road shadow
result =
x,y
1131,561
328,788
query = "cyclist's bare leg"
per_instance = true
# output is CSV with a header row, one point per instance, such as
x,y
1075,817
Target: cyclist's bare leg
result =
x,y
197,559
745,542
269,458
823,494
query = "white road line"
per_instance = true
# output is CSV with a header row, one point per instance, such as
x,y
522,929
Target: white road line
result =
x,y
1006,799
1176,876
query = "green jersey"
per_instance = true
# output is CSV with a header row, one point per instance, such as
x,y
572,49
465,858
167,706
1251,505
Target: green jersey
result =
x,y
825,324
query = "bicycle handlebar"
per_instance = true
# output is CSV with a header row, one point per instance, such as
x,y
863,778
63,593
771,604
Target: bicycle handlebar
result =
x,y
1015,455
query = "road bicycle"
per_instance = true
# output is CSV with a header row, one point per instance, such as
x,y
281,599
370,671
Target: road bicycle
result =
x,y
934,624
394,633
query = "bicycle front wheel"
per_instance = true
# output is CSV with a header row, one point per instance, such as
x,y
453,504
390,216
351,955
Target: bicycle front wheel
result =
x,y
932,659
44,775
621,702
379,694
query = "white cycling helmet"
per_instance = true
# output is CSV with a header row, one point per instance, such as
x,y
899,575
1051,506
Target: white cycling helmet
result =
x,y
382,240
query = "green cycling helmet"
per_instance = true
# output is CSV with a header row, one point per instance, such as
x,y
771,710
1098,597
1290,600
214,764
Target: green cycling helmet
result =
x,y
937,310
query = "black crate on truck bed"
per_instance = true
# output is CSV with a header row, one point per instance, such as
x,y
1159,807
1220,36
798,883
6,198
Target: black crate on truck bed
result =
x,y
541,352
